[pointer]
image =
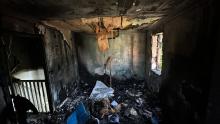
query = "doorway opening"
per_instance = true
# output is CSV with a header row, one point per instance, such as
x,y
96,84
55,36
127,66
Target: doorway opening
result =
x,y
27,70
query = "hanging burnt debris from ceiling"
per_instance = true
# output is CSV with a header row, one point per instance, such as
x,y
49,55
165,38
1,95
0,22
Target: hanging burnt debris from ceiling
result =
x,y
105,28
101,33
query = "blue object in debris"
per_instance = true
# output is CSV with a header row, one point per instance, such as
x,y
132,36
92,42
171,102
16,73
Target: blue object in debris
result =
x,y
72,119
79,116
154,118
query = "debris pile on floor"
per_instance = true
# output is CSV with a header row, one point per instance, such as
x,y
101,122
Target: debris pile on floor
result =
x,y
124,104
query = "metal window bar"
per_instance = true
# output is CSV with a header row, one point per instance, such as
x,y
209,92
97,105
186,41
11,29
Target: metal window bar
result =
x,y
33,90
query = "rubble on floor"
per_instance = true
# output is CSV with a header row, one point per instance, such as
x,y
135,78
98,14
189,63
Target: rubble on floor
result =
x,y
132,103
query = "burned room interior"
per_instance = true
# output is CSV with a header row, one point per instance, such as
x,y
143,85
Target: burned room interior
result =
x,y
109,62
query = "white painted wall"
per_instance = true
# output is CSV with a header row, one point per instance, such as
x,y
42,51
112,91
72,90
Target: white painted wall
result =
x,y
37,74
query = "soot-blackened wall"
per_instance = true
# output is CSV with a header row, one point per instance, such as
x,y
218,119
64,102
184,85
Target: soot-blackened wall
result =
x,y
187,59
128,52
61,65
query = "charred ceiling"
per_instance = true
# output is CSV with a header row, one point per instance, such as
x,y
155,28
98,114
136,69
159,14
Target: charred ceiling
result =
x,y
69,9
79,16
90,25
104,18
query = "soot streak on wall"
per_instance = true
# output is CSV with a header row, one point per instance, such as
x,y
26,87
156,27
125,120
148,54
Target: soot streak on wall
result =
x,y
61,65
128,51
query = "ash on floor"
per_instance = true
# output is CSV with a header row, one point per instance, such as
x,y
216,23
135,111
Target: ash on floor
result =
x,y
132,103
